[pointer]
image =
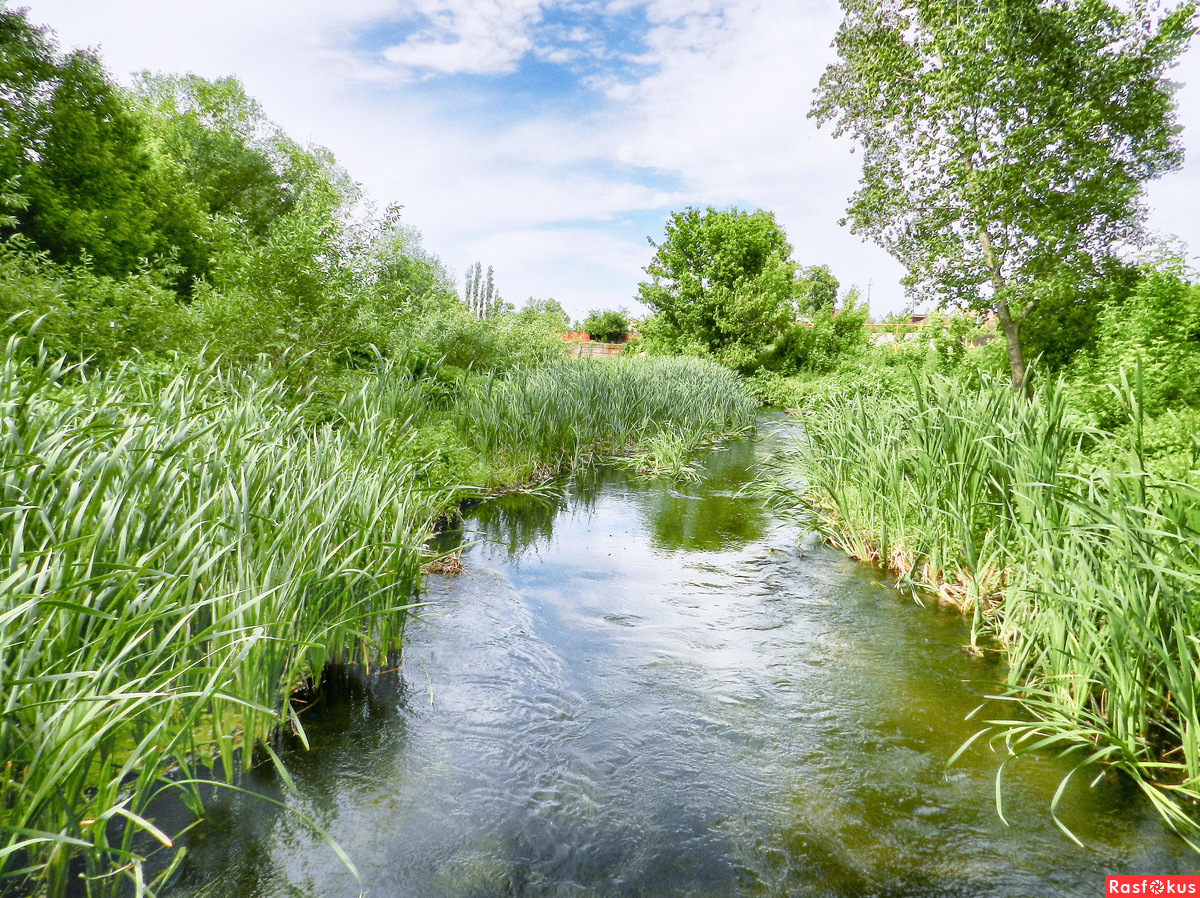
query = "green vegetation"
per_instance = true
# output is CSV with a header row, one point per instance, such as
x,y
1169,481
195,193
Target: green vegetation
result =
x,y
190,549
1005,145
606,327
1066,523
722,283
181,557
817,290
1005,152
567,414
481,296
236,398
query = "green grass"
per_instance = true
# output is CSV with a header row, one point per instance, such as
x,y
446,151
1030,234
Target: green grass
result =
x,y
187,548
180,555
1087,574
568,414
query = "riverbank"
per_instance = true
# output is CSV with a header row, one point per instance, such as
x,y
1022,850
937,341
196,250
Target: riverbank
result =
x,y
190,545
1067,544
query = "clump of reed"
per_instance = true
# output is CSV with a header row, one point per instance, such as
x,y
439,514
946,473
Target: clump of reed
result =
x,y
567,414
181,555
1087,575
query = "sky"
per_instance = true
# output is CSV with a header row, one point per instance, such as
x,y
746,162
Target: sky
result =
x,y
552,139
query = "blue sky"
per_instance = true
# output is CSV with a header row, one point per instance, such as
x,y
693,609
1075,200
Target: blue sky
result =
x,y
550,139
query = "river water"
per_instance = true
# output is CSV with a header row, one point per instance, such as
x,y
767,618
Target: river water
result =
x,y
659,689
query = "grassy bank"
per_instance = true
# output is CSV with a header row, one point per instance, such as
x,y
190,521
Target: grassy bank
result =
x,y
182,556
1067,547
188,548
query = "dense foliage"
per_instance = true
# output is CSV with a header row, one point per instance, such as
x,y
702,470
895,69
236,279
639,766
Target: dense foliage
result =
x,y
1086,572
722,283
1004,143
606,327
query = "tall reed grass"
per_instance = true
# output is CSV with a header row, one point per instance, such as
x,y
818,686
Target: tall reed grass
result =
x,y
566,414
180,556
185,552
1087,575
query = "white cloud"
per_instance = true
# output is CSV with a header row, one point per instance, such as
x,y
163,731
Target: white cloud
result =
x,y
469,36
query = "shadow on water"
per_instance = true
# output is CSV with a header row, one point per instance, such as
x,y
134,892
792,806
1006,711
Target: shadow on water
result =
x,y
647,689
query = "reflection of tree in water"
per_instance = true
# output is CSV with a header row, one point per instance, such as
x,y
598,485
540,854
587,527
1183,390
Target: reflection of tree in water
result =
x,y
710,514
702,522
706,515
516,522
519,522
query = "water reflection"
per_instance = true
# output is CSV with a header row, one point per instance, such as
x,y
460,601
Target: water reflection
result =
x,y
706,516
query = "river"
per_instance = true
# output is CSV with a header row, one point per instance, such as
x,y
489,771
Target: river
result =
x,y
644,689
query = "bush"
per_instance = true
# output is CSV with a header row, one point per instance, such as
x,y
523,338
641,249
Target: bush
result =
x,y
77,315
819,345
606,327
1158,326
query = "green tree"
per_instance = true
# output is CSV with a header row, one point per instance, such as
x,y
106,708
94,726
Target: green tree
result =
x,y
481,295
239,162
817,289
722,280
1067,308
26,67
401,270
74,150
550,310
819,345
1003,141
608,326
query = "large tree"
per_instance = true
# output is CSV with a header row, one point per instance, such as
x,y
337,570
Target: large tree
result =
x,y
723,279
1003,142
240,162
75,164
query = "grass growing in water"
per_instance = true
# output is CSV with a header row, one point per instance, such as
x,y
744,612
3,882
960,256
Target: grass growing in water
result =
x,y
567,414
185,548
180,556
1088,575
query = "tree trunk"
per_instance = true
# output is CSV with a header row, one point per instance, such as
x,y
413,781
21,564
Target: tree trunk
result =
x,y
1011,329
1009,326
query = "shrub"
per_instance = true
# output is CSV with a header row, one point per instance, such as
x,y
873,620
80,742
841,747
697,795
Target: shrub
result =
x,y
606,327
1158,327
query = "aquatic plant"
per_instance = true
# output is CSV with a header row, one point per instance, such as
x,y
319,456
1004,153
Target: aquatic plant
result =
x,y
566,414
1087,575
181,556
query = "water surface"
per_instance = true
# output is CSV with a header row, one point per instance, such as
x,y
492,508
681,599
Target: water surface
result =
x,y
656,689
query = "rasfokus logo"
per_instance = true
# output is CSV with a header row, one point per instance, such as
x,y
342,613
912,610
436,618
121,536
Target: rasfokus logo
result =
x,y
1152,885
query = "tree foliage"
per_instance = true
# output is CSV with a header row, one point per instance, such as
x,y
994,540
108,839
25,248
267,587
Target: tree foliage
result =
x,y
178,216
819,345
609,326
1003,142
1156,328
817,289
722,280
74,152
238,161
